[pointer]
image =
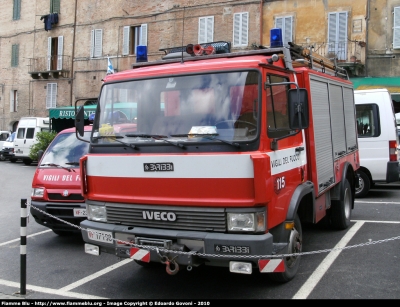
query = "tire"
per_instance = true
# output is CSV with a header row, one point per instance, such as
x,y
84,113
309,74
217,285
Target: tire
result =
x,y
2,158
12,160
27,161
340,211
292,263
62,233
364,184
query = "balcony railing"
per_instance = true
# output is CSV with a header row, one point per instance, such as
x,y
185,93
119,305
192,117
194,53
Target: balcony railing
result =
x,y
54,66
348,55
348,51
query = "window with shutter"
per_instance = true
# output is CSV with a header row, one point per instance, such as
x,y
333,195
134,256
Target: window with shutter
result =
x,y
286,24
396,28
14,55
206,29
54,6
51,95
241,29
96,47
17,10
337,35
132,37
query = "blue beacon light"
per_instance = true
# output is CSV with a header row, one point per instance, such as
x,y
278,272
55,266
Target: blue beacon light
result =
x,y
276,37
141,54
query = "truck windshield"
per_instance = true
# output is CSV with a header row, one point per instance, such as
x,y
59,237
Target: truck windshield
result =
x,y
181,109
66,150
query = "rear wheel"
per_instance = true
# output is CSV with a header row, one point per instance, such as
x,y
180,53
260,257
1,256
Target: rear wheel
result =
x,y
2,158
27,161
291,262
364,184
341,209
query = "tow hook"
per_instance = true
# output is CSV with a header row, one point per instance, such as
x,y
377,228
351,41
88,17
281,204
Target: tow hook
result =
x,y
169,263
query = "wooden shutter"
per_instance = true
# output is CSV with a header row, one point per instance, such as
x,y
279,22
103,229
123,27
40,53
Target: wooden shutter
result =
x,y
396,28
48,53
98,42
51,95
55,6
143,35
240,29
14,55
60,52
337,34
206,29
126,40
12,101
286,24
17,9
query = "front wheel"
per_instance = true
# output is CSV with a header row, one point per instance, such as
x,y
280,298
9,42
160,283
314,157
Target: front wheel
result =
x,y
341,209
292,263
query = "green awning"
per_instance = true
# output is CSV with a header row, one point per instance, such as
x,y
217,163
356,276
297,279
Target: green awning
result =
x,y
69,112
392,84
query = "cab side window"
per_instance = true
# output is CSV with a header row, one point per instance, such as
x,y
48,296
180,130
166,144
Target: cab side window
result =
x,y
277,106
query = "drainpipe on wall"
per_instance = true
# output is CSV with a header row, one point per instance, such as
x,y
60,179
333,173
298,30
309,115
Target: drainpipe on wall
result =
x,y
73,56
366,37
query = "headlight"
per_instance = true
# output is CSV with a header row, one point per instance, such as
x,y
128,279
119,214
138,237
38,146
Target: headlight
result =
x,y
96,213
250,222
37,192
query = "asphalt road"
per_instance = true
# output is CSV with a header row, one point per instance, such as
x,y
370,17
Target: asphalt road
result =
x,y
358,263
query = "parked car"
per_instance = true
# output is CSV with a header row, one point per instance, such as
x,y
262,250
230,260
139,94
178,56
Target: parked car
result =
x,y
56,184
377,139
7,149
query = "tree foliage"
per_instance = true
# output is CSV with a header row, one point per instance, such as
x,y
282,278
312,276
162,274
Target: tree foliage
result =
x,y
43,139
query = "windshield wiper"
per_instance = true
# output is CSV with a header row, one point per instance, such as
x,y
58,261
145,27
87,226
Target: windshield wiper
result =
x,y
72,163
115,138
57,165
207,136
156,137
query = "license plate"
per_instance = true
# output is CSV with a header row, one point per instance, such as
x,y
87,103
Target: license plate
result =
x,y
79,212
100,236
232,249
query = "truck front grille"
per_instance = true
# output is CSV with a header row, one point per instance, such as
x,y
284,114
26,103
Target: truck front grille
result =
x,y
195,219
70,197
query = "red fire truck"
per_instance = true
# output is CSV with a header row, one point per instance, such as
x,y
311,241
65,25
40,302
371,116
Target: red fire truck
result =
x,y
228,155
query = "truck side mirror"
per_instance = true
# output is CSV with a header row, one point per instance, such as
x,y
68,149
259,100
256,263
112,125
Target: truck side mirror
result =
x,y
80,120
298,108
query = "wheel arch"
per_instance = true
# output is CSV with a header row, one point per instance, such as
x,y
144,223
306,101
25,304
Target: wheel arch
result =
x,y
302,202
351,175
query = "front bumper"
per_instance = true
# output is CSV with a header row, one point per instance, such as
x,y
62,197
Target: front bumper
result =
x,y
215,249
64,211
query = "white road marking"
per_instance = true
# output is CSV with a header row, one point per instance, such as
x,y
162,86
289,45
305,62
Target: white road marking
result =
x,y
51,291
313,280
29,236
379,202
95,275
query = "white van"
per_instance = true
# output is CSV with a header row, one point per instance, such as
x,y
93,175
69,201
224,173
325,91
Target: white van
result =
x,y
377,139
27,129
3,137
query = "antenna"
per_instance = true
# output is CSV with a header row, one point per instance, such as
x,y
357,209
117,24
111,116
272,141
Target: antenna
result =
x,y
183,31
